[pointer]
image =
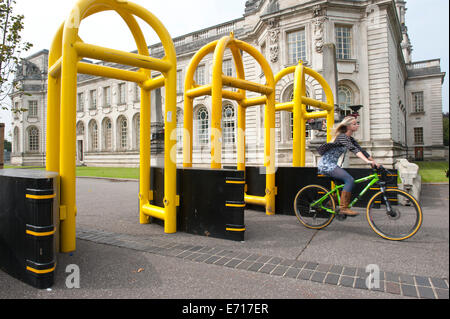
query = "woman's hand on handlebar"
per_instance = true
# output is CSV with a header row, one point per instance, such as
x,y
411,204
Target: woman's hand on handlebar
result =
x,y
374,164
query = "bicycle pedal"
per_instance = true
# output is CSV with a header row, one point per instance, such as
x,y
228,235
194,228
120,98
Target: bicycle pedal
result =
x,y
341,217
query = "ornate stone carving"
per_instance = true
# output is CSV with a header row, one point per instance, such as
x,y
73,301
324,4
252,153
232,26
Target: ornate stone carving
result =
x,y
318,24
274,33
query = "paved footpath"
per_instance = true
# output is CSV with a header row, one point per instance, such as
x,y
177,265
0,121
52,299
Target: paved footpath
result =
x,y
281,259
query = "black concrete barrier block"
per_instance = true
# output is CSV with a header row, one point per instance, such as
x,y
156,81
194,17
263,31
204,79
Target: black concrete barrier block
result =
x,y
27,230
211,201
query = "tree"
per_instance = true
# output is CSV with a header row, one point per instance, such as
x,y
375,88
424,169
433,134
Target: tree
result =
x,y
445,126
11,48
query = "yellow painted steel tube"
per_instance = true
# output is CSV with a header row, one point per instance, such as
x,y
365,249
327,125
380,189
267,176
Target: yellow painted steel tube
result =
x,y
241,114
154,83
54,69
255,200
53,106
316,115
170,142
198,91
254,101
299,134
216,102
315,103
246,85
145,146
114,73
288,106
170,118
154,211
189,102
284,72
269,126
68,136
116,56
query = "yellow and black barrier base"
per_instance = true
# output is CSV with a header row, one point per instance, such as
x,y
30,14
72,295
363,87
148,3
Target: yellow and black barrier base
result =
x,y
27,230
211,201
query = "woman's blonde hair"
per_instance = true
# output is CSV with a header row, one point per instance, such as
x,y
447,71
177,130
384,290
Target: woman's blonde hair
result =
x,y
341,128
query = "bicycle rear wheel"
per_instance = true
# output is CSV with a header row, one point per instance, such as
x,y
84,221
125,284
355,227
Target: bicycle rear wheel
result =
x,y
313,217
404,219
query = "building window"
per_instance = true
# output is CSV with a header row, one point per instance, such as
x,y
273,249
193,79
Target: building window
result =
x,y
123,126
107,96
137,130
80,104
93,134
418,135
202,119
296,42
199,77
33,139
291,116
32,108
80,129
228,124
346,99
227,67
122,93
137,92
92,99
417,98
343,42
179,81
107,134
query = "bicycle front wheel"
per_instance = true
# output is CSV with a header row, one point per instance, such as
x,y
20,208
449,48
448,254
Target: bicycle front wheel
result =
x,y
313,217
399,219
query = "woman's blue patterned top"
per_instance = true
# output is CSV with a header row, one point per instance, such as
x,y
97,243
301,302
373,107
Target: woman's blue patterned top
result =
x,y
329,160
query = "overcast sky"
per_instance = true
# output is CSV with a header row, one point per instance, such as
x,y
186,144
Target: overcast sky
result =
x,y
427,22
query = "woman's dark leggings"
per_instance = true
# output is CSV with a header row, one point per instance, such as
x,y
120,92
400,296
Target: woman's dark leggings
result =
x,y
342,175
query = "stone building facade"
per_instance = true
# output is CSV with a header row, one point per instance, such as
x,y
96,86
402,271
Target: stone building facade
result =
x,y
401,100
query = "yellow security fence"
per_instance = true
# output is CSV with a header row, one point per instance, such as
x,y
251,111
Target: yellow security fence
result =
x,y
298,107
217,93
65,62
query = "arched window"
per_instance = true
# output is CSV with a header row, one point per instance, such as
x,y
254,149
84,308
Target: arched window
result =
x,y
93,136
288,97
80,129
229,124
137,131
33,139
202,125
123,132
107,134
346,98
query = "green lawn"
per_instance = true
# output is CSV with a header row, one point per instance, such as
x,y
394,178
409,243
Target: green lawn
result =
x,y
433,172
110,172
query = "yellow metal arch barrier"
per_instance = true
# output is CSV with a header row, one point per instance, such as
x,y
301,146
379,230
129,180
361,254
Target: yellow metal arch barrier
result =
x,y
65,63
298,107
215,89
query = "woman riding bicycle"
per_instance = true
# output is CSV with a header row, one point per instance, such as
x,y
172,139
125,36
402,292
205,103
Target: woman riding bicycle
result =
x,y
331,153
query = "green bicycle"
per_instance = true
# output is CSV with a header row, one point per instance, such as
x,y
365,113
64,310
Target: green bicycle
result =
x,y
392,213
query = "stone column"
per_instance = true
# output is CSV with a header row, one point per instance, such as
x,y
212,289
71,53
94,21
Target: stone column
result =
x,y
2,144
329,67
